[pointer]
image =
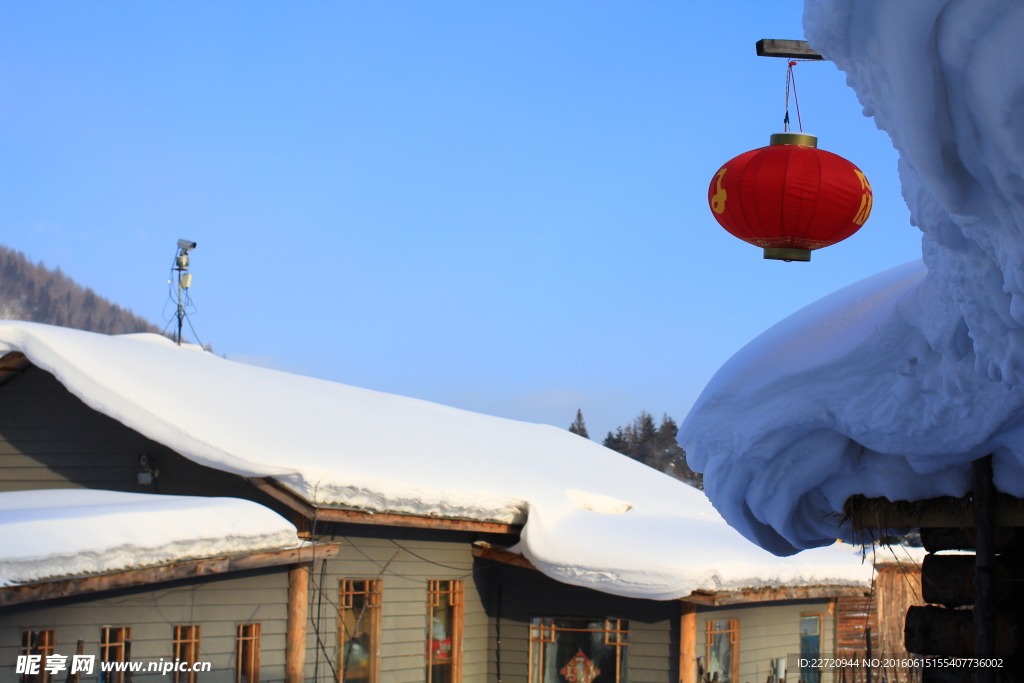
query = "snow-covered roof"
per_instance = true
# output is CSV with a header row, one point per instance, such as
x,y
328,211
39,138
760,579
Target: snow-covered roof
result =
x,y
592,517
53,533
892,386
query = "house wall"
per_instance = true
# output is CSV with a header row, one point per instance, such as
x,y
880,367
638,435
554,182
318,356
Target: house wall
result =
x,y
516,595
216,603
50,439
769,630
406,560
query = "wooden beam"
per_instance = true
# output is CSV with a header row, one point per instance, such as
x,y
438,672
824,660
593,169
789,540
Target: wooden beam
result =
x,y
879,514
718,598
789,49
298,614
488,551
984,572
51,590
283,495
12,364
688,643
351,516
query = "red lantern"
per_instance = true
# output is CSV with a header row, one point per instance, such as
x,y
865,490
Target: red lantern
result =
x,y
790,197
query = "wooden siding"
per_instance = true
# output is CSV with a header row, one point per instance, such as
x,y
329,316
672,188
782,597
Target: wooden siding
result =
x,y
50,439
412,558
769,631
217,604
854,616
897,587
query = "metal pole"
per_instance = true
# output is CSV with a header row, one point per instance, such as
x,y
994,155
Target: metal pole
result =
x,y
181,308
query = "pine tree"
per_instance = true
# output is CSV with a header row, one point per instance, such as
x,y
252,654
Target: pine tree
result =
x,y
30,291
654,446
579,426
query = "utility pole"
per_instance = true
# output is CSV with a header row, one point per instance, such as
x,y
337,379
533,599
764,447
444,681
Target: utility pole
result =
x,y
184,280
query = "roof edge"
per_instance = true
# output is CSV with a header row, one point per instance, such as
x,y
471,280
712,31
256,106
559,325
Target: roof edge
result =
x,y
95,583
316,513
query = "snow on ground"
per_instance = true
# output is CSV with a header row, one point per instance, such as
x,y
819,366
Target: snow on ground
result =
x,y
52,533
892,386
592,517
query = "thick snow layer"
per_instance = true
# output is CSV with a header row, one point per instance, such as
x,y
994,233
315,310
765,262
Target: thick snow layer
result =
x,y
892,386
71,532
592,517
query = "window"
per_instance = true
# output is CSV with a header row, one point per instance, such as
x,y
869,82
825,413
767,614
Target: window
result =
x,y
186,649
115,646
444,632
359,630
810,646
38,643
722,650
247,653
578,650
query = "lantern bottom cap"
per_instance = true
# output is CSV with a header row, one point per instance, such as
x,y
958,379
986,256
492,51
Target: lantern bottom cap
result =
x,y
787,254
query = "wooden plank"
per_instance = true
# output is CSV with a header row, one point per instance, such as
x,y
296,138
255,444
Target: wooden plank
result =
x,y
51,590
789,49
718,598
330,514
282,495
488,551
688,643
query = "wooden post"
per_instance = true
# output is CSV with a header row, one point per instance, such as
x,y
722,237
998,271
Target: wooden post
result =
x,y
688,643
127,676
298,614
984,542
80,650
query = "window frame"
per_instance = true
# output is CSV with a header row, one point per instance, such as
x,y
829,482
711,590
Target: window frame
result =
x,y
37,642
455,590
185,646
372,593
115,641
733,631
247,652
821,638
543,632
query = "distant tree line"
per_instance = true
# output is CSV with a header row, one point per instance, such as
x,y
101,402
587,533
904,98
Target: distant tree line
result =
x,y
652,444
33,292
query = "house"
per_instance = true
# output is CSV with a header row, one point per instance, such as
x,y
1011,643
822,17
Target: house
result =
x,y
437,545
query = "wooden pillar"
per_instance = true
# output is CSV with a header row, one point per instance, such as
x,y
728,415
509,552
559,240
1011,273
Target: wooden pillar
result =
x,y
688,643
298,615
984,542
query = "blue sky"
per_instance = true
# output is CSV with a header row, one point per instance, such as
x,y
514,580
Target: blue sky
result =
x,y
495,205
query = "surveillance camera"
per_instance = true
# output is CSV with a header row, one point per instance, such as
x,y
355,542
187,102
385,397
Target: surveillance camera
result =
x,y
186,245
143,459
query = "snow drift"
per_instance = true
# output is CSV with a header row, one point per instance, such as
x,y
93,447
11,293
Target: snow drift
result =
x,y
54,533
892,386
592,517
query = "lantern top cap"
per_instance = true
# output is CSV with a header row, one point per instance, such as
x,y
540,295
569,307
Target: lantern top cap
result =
x,y
801,139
